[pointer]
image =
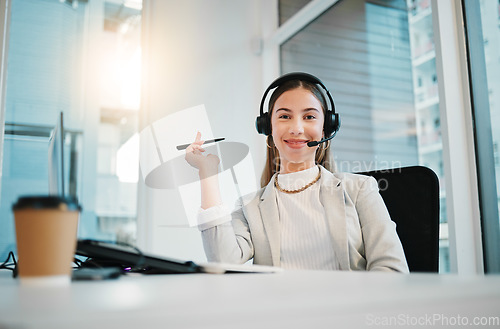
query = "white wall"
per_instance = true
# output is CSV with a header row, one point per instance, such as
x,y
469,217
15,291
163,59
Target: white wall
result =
x,y
197,52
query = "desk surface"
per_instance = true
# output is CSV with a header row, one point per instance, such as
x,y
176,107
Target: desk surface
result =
x,y
291,299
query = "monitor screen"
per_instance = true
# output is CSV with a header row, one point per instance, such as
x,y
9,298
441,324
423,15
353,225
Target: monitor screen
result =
x,y
56,159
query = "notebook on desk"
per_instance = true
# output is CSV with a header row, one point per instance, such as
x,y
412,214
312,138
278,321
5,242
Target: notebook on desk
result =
x,y
128,258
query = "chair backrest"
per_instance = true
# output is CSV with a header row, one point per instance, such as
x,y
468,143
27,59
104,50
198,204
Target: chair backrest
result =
x,y
411,195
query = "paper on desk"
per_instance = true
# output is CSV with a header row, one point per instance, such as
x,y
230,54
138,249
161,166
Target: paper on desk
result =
x,y
222,268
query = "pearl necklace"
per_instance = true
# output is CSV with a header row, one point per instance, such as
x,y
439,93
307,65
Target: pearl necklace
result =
x,y
300,189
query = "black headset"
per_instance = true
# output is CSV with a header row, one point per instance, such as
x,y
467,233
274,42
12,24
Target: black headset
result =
x,y
332,119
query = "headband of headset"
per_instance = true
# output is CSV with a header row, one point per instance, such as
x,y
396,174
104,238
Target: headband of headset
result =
x,y
332,120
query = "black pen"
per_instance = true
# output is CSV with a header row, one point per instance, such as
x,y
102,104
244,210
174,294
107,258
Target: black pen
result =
x,y
184,146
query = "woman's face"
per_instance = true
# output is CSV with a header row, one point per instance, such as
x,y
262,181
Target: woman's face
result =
x,y
297,118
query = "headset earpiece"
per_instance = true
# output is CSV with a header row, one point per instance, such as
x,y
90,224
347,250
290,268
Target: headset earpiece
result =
x,y
332,123
263,124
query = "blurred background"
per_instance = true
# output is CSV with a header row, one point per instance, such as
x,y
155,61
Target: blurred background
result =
x,y
114,67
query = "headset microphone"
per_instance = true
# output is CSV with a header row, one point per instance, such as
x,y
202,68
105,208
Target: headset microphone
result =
x,y
314,143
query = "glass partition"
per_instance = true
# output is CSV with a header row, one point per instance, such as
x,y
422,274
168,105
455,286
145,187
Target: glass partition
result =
x,y
482,26
82,58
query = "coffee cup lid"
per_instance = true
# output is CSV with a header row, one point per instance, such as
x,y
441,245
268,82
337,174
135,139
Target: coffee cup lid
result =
x,y
46,202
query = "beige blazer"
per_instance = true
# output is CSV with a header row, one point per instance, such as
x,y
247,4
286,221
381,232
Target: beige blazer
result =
x,y
364,237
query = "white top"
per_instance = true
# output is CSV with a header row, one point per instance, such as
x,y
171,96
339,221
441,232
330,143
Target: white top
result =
x,y
305,239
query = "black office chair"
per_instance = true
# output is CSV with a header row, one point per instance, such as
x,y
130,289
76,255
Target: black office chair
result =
x,y
411,195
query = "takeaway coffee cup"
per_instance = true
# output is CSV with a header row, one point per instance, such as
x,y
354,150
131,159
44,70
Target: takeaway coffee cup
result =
x,y
46,233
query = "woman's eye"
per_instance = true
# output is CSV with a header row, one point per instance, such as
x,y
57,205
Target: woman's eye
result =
x,y
284,116
310,117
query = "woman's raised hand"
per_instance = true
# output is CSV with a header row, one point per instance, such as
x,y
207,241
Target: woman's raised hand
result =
x,y
207,165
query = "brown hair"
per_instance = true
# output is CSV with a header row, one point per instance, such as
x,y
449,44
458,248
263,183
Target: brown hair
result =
x,y
323,154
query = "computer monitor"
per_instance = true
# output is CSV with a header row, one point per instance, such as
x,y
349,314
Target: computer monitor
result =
x,y
56,159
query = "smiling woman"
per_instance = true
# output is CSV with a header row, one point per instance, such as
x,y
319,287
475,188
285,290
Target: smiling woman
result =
x,y
306,217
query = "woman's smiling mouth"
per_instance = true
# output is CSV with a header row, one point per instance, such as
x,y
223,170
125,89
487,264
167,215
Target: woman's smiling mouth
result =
x,y
296,143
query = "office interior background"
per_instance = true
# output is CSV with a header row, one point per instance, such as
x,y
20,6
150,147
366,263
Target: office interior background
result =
x,y
113,67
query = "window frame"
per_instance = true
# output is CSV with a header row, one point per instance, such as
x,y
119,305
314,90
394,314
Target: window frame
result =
x,y
4,41
462,194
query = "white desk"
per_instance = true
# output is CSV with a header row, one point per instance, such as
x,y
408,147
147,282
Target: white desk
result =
x,y
284,300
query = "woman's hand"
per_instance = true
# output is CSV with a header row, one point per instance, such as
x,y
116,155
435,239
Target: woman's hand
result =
x,y
208,168
207,165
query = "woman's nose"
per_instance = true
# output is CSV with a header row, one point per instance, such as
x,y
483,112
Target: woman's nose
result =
x,y
296,127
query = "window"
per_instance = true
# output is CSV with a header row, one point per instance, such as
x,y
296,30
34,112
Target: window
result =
x,y
81,58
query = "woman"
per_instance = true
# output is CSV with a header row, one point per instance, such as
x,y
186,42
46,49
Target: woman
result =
x,y
304,216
